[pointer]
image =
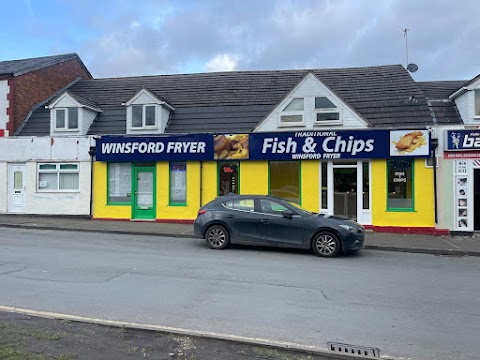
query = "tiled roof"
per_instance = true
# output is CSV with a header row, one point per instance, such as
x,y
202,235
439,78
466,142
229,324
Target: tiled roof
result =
x,y
440,89
23,66
86,102
442,108
238,101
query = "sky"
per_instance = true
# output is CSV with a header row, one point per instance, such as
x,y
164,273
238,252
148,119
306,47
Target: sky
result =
x,y
117,38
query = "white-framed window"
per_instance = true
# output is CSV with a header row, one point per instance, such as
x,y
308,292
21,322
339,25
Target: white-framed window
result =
x,y
66,118
326,112
58,177
477,102
119,183
292,113
178,183
144,116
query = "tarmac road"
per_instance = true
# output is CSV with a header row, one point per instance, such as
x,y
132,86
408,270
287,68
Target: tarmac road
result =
x,y
407,305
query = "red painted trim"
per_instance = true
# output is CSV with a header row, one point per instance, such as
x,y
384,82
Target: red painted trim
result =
x,y
409,230
2,133
11,109
166,221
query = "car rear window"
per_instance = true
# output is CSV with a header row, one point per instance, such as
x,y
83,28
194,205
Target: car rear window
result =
x,y
240,204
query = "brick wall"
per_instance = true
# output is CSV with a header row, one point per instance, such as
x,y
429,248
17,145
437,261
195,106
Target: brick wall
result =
x,y
32,88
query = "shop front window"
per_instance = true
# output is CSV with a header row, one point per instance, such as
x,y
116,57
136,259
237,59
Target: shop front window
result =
x,y
228,176
366,185
324,186
285,180
119,183
178,183
400,185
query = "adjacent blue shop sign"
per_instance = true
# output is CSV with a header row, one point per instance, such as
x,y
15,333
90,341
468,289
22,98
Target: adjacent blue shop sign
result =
x,y
329,145
463,140
144,149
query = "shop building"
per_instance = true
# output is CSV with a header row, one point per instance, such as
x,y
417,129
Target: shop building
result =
x,y
458,154
327,139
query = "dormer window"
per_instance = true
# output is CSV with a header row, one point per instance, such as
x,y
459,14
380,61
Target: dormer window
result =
x,y
66,119
71,113
143,116
326,112
292,113
146,113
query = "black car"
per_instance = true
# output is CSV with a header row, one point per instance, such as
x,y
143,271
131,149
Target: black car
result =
x,y
269,221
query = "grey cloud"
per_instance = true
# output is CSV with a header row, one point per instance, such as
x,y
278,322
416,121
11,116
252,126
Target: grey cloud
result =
x,y
289,34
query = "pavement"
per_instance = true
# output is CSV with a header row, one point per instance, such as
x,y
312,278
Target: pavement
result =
x,y
429,244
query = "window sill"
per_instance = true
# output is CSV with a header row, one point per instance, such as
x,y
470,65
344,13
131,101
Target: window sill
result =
x,y
401,210
283,124
144,128
178,204
118,204
323,123
65,130
58,191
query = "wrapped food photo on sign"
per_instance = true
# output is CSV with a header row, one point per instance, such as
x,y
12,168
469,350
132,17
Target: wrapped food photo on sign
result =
x,y
228,147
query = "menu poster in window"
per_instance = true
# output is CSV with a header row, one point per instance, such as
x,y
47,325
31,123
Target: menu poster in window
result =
x,y
178,181
461,166
461,203
228,178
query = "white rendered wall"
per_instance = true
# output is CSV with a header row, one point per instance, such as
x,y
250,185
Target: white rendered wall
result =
x,y
32,150
465,106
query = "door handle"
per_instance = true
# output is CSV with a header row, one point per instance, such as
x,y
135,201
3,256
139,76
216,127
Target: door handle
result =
x,y
230,216
265,221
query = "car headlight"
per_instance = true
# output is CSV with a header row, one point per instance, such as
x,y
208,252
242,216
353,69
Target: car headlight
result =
x,y
352,229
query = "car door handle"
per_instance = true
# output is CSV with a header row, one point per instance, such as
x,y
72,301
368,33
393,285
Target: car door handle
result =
x,y
230,216
265,221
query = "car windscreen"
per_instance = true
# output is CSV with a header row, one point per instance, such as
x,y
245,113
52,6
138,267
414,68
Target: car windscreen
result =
x,y
299,208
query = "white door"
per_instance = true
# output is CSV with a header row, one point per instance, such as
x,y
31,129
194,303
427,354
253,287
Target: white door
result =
x,y
16,188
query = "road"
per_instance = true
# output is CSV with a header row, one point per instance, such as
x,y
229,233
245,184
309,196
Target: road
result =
x,y
408,305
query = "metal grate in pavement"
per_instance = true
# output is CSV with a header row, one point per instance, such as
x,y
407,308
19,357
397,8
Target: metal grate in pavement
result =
x,y
346,349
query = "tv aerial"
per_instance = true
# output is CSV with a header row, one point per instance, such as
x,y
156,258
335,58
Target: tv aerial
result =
x,y
410,66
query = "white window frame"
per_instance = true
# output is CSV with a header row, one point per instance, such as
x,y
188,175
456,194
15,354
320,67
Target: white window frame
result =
x,y
57,171
144,126
475,92
325,111
291,113
66,110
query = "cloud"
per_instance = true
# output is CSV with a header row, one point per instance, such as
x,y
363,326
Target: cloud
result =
x,y
175,37
222,62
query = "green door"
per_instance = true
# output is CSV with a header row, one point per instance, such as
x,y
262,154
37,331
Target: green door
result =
x,y
144,193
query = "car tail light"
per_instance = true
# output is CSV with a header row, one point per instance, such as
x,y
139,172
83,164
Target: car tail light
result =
x,y
201,212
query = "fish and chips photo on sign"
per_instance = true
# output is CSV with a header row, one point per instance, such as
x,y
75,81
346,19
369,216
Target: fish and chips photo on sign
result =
x,y
409,143
230,147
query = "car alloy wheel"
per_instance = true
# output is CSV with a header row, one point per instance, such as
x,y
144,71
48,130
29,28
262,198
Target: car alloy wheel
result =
x,y
217,237
326,244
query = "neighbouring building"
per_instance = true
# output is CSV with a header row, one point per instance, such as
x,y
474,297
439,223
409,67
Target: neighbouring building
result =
x,y
25,83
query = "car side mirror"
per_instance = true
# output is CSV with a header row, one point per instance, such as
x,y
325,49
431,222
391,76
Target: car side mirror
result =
x,y
287,214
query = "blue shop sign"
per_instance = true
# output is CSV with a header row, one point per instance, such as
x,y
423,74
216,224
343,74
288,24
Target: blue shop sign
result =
x,y
462,140
145,149
329,145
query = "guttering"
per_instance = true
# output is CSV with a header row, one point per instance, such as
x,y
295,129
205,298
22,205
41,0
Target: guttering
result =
x,y
459,92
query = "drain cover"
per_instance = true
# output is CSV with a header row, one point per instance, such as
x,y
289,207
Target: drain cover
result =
x,y
367,352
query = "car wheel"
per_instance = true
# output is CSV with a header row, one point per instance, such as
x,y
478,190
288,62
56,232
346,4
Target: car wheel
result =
x,y
326,244
217,237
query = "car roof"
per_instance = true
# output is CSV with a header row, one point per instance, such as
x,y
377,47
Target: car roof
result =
x,y
243,196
